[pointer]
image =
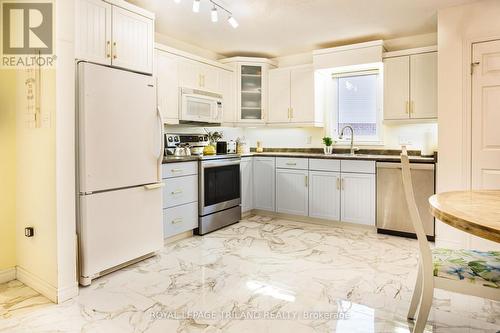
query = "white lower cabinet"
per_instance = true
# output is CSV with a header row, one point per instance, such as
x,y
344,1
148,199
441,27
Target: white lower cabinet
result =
x,y
246,179
179,219
292,191
324,195
357,198
180,197
264,183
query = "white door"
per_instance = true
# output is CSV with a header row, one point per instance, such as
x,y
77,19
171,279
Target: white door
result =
x,y
358,198
119,130
93,31
324,195
279,96
228,89
396,88
246,168
302,95
167,86
486,116
292,191
423,85
264,183
118,226
133,38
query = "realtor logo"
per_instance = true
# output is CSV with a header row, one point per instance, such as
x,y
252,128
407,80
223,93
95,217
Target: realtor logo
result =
x,y
27,28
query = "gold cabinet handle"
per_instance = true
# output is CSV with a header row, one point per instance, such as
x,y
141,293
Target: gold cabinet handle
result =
x,y
176,170
338,183
412,107
307,181
115,53
407,107
288,113
291,113
290,163
179,191
176,220
108,49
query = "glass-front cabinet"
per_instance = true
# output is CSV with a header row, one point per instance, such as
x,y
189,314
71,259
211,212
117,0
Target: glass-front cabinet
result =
x,y
252,85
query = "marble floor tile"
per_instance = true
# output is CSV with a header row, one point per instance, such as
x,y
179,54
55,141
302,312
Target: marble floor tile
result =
x,y
262,275
17,298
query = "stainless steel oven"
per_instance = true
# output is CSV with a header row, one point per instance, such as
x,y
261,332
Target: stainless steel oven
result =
x,y
219,193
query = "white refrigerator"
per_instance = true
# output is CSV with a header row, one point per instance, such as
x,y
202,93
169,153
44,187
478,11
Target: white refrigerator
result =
x,y
119,156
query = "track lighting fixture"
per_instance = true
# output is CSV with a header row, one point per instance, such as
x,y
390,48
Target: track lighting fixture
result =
x,y
214,14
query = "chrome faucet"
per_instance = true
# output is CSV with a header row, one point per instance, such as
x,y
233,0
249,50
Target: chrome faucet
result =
x,y
341,136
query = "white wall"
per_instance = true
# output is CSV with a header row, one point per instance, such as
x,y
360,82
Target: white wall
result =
x,y
458,27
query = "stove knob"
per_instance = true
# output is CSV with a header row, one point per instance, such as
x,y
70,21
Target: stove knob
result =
x,y
200,139
170,139
205,138
176,138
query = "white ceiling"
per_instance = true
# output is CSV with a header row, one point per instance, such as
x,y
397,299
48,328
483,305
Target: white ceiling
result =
x,y
281,27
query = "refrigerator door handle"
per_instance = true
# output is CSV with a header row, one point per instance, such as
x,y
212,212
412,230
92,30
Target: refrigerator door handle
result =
x,y
154,186
162,142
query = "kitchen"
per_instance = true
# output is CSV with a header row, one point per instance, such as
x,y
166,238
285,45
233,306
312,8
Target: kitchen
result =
x,y
203,162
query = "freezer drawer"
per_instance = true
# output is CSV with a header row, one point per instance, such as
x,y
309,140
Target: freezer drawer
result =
x,y
392,211
118,226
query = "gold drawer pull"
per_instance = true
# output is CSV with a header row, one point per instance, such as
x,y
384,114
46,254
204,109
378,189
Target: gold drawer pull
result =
x,y
177,170
179,191
291,163
177,220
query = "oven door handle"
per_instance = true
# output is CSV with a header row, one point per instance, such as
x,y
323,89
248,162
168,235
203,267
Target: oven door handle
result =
x,y
206,165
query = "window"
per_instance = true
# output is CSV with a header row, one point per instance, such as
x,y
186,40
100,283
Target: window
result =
x,y
357,105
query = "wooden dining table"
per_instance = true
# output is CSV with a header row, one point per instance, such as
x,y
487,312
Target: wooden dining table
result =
x,y
475,212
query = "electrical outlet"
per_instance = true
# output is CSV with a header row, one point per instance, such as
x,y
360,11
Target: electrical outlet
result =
x,y
404,140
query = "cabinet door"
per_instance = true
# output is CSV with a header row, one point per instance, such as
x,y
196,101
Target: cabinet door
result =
x,y
423,91
228,90
251,92
302,95
209,78
358,198
324,195
279,96
93,31
167,86
264,183
246,168
133,36
396,88
292,191
189,74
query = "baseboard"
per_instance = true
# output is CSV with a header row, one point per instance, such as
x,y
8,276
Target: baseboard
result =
x,y
176,238
40,285
67,293
7,274
312,220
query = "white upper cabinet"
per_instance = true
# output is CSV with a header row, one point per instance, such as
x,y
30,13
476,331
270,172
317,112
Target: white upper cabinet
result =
x,y
167,86
396,88
210,78
228,90
197,75
410,85
133,38
423,86
93,31
292,98
279,96
111,35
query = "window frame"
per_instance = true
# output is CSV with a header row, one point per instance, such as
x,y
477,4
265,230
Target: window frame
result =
x,y
359,140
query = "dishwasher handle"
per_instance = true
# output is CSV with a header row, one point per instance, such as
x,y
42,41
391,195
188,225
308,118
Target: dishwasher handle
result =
x,y
397,165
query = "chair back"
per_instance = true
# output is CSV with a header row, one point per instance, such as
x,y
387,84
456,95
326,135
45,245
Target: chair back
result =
x,y
425,250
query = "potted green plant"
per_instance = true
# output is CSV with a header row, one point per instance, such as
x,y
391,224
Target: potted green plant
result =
x,y
328,142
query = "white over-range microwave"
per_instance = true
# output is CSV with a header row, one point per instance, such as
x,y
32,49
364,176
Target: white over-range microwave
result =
x,y
200,106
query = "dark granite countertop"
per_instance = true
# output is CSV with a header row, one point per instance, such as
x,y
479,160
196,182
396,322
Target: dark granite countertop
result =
x,y
371,155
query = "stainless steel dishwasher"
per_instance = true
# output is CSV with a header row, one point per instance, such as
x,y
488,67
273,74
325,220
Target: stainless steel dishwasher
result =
x,y
393,216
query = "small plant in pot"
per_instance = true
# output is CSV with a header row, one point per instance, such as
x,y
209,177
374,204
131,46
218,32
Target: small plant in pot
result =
x,y
328,142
